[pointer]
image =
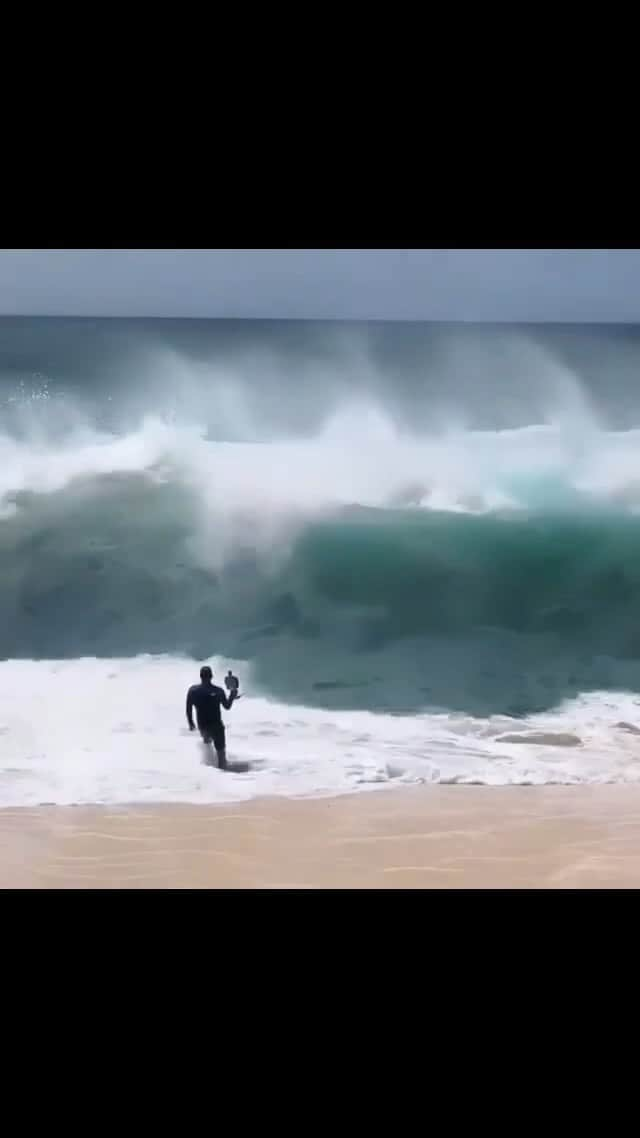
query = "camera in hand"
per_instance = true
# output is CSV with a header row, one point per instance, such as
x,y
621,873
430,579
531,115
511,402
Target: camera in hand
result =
x,y
231,682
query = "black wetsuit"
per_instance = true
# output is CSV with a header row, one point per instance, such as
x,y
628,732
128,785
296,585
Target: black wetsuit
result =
x,y
207,700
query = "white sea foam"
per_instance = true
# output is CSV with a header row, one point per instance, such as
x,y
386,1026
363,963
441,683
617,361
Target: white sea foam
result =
x,y
114,731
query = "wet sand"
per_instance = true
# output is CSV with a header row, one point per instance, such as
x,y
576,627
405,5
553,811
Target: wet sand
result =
x,y
435,837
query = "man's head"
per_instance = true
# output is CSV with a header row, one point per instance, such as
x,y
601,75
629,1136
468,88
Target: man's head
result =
x,y
206,675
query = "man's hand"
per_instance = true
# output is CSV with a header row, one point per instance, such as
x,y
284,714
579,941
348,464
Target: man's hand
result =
x,y
192,726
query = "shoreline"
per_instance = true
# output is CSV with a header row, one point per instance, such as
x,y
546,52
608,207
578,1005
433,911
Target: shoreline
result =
x,y
422,837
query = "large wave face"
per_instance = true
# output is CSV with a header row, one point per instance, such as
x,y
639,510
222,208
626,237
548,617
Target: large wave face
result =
x,y
394,518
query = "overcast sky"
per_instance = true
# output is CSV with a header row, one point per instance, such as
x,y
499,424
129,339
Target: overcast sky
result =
x,y
414,284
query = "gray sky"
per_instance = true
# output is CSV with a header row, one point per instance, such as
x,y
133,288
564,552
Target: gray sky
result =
x,y
392,284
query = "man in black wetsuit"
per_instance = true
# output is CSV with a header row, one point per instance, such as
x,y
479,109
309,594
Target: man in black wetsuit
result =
x,y
207,699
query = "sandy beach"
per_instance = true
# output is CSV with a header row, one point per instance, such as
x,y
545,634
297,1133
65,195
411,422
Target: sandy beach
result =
x,y
436,837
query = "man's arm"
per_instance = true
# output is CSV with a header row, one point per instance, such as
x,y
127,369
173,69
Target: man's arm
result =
x,y
190,709
227,700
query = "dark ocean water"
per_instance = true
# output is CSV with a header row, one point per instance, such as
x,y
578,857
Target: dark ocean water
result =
x,y
396,516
